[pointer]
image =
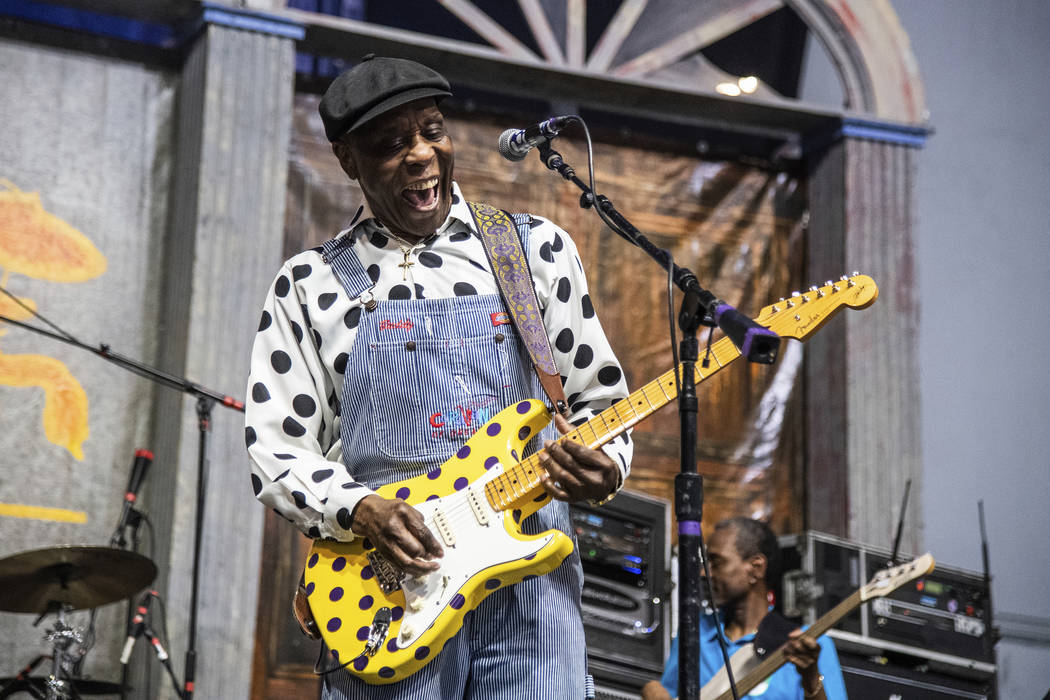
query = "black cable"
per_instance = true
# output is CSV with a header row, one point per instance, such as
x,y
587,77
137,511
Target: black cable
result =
x,y
36,313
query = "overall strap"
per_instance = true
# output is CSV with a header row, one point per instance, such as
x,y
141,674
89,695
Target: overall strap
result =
x,y
338,253
501,237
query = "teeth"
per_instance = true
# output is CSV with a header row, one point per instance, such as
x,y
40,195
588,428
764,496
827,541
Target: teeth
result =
x,y
423,185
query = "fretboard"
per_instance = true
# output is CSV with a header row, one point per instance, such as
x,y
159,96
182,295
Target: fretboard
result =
x,y
520,483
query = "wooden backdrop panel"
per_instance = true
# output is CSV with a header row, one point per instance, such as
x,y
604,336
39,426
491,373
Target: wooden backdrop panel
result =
x,y
738,227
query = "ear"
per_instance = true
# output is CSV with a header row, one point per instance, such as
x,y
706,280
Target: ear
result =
x,y
758,564
345,154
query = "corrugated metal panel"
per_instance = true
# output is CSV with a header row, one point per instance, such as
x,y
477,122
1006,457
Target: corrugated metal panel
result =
x,y
862,376
225,247
92,137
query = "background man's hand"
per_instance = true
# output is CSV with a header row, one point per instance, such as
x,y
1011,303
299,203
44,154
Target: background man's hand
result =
x,y
654,691
576,472
803,652
397,530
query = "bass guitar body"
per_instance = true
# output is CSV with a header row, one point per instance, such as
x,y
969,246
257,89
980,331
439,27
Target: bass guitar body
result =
x,y
385,626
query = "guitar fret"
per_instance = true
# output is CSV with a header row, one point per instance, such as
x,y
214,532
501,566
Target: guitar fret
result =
x,y
625,406
578,434
605,423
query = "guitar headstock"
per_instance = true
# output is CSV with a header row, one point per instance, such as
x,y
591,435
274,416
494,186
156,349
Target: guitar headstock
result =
x,y
803,313
888,580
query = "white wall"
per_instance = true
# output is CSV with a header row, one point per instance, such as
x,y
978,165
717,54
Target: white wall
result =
x,y
982,251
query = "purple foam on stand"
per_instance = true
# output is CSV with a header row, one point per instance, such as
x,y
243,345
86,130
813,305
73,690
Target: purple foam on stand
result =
x,y
689,527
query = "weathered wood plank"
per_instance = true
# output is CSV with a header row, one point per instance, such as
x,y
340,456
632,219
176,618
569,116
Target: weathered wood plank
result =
x,y
536,16
488,29
709,30
614,35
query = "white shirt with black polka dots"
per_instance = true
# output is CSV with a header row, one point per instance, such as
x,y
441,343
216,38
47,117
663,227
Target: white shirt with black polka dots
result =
x,y
309,324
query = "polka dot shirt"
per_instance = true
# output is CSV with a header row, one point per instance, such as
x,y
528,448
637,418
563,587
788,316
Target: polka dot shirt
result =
x,y
309,323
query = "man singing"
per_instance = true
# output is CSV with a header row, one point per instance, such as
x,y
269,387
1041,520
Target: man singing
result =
x,y
378,356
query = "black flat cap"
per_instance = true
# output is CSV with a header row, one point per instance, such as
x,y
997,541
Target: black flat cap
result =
x,y
373,86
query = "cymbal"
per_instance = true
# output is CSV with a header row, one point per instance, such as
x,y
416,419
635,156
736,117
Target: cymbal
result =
x,y
77,576
82,686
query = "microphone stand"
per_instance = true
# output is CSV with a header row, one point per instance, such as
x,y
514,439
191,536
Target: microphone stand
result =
x,y
206,398
699,307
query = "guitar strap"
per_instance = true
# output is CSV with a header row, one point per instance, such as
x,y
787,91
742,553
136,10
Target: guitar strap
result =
x,y
773,632
502,235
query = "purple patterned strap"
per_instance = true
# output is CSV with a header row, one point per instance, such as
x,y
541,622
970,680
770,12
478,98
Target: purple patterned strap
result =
x,y
510,267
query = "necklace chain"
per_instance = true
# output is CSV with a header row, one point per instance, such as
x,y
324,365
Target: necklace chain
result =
x,y
408,250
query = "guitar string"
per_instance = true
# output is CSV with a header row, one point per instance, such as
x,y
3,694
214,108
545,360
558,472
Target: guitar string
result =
x,y
461,511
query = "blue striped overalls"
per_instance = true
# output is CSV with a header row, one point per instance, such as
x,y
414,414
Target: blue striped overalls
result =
x,y
423,375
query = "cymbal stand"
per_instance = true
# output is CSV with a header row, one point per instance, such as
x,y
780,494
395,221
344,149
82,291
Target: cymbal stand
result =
x,y
15,685
61,636
206,399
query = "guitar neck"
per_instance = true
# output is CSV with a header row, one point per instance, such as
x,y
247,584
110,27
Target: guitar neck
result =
x,y
520,484
777,659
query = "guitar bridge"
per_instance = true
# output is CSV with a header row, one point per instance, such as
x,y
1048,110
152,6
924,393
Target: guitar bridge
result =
x,y
388,576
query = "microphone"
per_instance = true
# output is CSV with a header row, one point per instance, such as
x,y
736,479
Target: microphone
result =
x,y
515,144
756,343
141,463
137,626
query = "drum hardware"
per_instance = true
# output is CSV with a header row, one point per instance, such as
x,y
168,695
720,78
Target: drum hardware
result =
x,y
57,581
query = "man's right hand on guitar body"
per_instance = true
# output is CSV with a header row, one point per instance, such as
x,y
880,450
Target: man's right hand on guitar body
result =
x,y
398,532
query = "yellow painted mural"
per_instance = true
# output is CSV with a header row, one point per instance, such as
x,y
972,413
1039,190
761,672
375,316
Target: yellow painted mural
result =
x,y
38,244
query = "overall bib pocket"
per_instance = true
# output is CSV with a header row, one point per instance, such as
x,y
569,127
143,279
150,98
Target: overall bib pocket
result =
x,y
432,394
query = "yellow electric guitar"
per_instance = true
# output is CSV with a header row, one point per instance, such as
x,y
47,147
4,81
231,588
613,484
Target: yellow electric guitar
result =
x,y
749,669
384,625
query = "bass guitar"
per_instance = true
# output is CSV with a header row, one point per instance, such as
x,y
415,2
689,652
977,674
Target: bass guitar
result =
x,y
749,669
384,625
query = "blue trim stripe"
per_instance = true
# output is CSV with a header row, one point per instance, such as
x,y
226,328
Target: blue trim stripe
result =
x,y
166,36
124,28
903,134
252,21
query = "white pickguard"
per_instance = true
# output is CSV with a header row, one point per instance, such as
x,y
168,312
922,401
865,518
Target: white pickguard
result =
x,y
476,547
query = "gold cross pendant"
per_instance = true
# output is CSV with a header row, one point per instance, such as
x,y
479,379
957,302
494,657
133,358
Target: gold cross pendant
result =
x,y
406,264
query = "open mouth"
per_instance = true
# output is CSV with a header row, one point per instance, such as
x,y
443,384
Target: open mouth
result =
x,y
422,195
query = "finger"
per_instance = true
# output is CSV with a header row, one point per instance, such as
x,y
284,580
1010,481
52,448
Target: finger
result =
x,y
431,548
575,449
408,552
562,469
554,490
562,423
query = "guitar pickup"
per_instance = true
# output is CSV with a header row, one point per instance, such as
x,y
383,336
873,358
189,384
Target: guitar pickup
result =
x,y
475,505
388,576
444,529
